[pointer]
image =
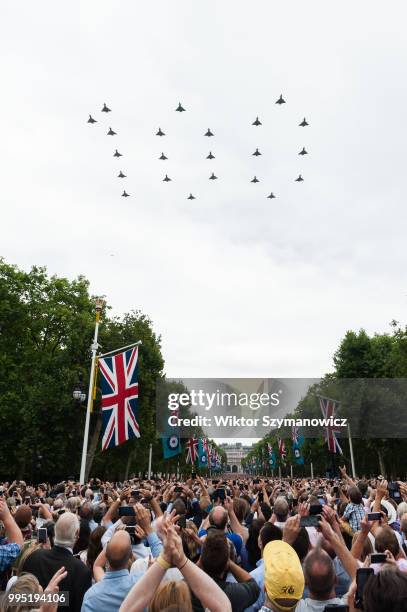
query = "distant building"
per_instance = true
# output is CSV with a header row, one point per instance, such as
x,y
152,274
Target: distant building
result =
x,y
235,452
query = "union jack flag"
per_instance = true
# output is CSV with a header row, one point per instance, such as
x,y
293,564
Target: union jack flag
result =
x,y
282,450
329,409
192,450
119,398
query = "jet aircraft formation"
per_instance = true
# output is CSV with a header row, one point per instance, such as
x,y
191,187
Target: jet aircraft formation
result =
x,y
208,134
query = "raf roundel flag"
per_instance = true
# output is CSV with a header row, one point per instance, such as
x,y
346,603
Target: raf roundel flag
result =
x,y
171,446
119,398
202,454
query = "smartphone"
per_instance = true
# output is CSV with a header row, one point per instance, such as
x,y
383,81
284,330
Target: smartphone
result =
x,y
27,500
182,521
126,511
256,481
15,494
193,475
378,558
131,530
178,490
105,497
315,509
234,482
310,521
362,576
220,493
336,607
241,487
261,497
394,490
374,516
136,494
42,535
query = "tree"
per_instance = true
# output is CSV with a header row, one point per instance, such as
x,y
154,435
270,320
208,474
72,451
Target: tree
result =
x,y
46,329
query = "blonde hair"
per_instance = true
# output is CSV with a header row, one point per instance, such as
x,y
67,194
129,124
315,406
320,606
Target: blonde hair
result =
x,y
174,595
26,584
191,544
367,548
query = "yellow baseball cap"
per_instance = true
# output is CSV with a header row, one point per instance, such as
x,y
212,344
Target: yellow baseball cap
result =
x,y
283,575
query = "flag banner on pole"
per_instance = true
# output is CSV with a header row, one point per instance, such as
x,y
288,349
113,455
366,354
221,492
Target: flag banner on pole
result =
x,y
171,441
272,456
209,453
119,398
329,410
192,450
202,453
298,441
171,446
282,450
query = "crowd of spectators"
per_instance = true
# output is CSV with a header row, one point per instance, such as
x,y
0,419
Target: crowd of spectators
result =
x,y
195,544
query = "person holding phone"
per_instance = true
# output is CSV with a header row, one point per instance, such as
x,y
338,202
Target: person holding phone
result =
x,y
10,545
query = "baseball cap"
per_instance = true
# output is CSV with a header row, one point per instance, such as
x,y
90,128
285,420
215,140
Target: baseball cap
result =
x,y
283,575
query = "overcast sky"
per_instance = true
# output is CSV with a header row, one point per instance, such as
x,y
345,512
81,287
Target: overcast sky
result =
x,y
236,284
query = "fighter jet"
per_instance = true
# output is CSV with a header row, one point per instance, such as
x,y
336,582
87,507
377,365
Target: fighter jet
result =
x,y
91,119
299,179
162,156
212,177
210,156
191,197
303,152
257,122
160,132
208,133
257,152
125,194
271,196
121,175
255,180
105,109
111,133
166,179
303,123
180,109
117,154
280,100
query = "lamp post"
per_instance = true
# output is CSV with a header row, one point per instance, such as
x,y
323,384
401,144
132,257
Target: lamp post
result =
x,y
78,394
98,309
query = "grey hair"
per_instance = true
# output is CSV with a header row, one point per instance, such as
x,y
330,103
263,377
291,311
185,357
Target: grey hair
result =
x,y
66,530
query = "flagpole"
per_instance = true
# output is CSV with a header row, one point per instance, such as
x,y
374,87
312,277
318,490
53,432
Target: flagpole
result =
x,y
312,471
122,348
150,457
94,347
291,467
352,459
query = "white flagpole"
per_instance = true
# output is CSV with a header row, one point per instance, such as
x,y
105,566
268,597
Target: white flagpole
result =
x,y
94,347
352,459
291,467
279,471
150,457
312,471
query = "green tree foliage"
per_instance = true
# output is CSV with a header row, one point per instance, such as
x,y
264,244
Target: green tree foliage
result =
x,y
46,329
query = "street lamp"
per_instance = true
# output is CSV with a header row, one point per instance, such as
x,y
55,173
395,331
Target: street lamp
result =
x,y
78,393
